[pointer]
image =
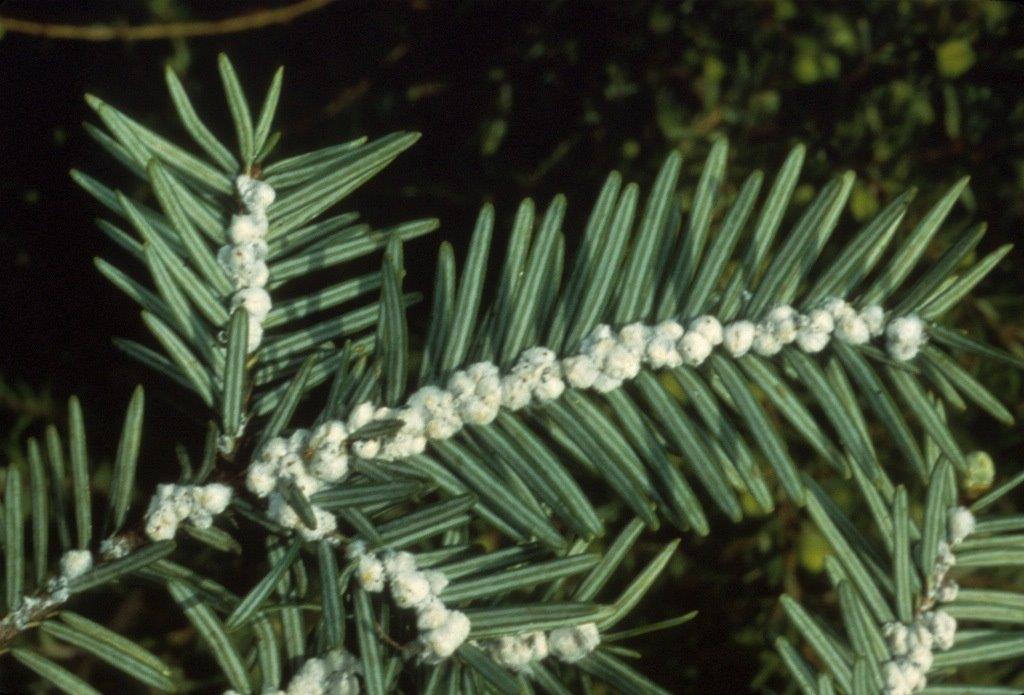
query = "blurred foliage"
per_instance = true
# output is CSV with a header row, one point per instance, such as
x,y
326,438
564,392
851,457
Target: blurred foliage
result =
x,y
532,98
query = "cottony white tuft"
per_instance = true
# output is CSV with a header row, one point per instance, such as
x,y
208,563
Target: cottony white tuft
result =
x,y
961,524
75,563
370,573
905,336
694,348
410,589
443,641
738,337
709,327
255,194
572,644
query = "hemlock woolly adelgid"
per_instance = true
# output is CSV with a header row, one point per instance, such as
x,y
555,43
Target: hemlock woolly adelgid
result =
x,y
606,359
443,630
912,646
174,504
244,259
334,673
73,564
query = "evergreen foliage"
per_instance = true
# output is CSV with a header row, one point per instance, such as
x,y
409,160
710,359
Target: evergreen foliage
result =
x,y
496,509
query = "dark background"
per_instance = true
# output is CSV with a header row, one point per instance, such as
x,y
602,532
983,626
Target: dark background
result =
x,y
523,99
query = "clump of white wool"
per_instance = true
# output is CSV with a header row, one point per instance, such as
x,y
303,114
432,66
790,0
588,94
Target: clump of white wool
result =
x,y
334,673
572,644
605,360
476,392
440,414
662,348
814,331
519,652
114,548
442,630
911,647
961,524
739,337
244,259
173,505
905,336
409,440
536,376
307,460
75,563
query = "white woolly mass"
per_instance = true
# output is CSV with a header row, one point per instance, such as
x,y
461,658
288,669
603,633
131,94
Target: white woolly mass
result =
x,y
942,627
254,301
174,504
114,548
245,264
518,652
437,407
612,361
709,327
247,228
782,322
811,341
947,591
739,337
27,609
307,460
911,647
765,342
437,580
335,673
961,524
852,329
409,440
329,458
661,349
905,336
580,371
360,416
694,348
431,615
839,308
476,392
818,321
572,644
57,587
256,195
536,376
606,359
75,563
281,512
399,563
874,317
634,336
410,589
254,337
814,331
370,573
621,363
244,259
442,631
944,559
443,641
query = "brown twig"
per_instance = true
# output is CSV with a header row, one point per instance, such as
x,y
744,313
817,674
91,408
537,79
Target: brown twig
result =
x,y
160,31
